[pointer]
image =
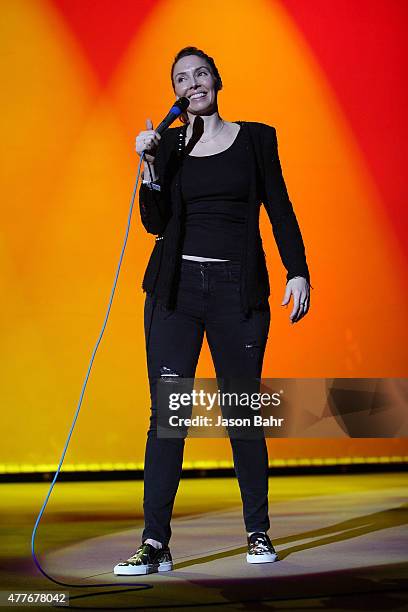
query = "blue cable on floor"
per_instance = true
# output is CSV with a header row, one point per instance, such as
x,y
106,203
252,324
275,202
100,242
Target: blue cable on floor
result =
x,y
110,584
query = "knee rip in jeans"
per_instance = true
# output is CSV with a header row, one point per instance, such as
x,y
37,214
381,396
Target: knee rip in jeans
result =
x,y
167,374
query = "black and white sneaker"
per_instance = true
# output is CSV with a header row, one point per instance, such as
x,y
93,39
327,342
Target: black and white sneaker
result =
x,y
146,560
260,549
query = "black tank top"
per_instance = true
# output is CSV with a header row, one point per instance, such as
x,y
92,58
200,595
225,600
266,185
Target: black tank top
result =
x,y
215,190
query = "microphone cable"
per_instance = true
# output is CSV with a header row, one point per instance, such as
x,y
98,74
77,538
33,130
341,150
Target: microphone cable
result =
x,y
139,586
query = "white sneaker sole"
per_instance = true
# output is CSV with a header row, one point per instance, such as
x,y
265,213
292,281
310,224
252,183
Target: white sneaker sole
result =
x,y
266,558
137,570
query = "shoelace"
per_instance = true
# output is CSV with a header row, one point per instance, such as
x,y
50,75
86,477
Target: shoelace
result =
x,y
137,556
260,546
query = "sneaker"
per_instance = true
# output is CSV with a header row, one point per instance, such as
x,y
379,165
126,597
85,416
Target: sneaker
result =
x,y
260,549
146,560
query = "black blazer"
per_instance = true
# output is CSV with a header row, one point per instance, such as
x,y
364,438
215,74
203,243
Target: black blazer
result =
x,y
161,213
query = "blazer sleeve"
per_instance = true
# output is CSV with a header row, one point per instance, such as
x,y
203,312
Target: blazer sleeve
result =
x,y
280,210
154,204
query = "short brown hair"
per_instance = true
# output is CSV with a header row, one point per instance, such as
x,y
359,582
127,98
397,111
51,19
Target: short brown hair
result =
x,y
195,51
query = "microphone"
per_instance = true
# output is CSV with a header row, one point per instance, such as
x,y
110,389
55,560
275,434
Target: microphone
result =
x,y
179,107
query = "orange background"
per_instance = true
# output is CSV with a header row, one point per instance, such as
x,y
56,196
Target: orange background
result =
x,y
79,79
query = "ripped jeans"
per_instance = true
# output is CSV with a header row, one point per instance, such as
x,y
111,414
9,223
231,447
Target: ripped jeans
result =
x,y
208,299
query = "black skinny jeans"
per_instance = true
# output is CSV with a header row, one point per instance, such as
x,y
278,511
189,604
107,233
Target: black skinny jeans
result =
x,y
208,299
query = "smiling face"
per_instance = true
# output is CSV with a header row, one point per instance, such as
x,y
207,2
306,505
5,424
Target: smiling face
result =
x,y
192,78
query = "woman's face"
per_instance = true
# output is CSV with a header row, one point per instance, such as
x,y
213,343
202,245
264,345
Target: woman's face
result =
x,y
192,77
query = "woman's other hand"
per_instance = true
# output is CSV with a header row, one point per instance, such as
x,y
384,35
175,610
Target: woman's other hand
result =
x,y
148,140
299,288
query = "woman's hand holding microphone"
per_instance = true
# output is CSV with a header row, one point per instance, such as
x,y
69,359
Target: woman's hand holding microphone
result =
x,y
148,141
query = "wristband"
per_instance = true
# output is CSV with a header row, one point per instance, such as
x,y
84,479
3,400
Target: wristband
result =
x,y
152,186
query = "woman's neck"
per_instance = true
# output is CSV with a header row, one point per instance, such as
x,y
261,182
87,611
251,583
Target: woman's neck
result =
x,y
211,124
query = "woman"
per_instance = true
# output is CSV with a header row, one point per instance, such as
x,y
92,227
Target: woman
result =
x,y
202,189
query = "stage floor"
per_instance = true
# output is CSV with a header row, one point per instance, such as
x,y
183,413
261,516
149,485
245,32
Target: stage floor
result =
x,y
341,539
